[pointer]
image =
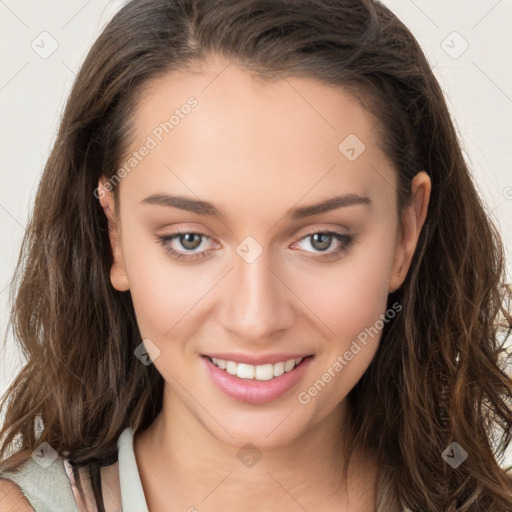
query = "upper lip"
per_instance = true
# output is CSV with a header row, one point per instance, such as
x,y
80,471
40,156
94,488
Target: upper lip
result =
x,y
256,360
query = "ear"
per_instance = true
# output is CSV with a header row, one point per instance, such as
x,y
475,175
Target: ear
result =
x,y
118,276
413,218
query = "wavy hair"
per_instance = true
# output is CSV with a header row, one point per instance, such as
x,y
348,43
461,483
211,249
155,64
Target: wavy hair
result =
x,y
439,375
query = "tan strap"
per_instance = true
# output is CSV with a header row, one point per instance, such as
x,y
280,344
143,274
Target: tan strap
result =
x,y
110,485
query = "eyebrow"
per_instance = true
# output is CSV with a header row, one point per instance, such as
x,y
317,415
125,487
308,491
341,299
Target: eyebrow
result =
x,y
205,208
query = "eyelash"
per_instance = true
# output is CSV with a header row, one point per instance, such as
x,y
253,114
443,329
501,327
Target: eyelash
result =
x,y
346,242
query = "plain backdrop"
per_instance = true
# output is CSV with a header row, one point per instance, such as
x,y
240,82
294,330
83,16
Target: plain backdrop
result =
x,y
42,44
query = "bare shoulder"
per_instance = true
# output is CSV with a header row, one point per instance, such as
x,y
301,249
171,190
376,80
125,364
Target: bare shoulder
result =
x,y
11,498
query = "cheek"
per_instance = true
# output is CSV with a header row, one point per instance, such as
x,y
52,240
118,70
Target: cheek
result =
x,y
349,296
162,291
350,299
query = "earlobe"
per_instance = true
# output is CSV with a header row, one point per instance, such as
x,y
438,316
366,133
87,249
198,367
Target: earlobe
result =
x,y
413,218
118,276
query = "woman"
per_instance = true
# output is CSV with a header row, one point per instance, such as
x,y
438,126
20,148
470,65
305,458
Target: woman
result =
x,y
258,276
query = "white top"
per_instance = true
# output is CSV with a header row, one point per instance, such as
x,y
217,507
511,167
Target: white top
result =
x,y
132,493
53,488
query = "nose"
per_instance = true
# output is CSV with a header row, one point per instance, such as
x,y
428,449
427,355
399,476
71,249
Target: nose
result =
x,y
258,301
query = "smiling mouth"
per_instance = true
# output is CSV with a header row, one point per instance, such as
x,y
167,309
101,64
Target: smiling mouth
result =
x,y
261,372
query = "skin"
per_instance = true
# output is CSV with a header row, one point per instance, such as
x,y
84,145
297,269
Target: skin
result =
x,y
257,150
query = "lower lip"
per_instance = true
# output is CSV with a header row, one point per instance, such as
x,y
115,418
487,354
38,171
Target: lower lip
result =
x,y
252,391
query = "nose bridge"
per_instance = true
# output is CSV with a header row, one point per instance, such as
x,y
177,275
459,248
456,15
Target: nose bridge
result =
x,y
257,302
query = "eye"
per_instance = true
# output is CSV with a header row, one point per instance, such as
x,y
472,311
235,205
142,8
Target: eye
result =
x,y
188,240
321,241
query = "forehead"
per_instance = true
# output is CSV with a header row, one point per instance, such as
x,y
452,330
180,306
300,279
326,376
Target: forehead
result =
x,y
254,137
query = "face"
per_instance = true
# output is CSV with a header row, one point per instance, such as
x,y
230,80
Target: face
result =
x,y
233,293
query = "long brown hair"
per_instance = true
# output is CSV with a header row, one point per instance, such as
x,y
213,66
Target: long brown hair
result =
x,y
438,376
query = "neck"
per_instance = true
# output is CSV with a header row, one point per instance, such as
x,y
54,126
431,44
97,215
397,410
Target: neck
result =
x,y
182,463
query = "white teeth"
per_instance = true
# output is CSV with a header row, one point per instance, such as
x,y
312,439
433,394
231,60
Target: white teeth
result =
x,y
245,371
264,372
278,369
258,372
220,363
231,367
289,365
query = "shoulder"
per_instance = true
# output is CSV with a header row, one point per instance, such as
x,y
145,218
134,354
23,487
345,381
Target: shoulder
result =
x,y
12,498
11,495
37,485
